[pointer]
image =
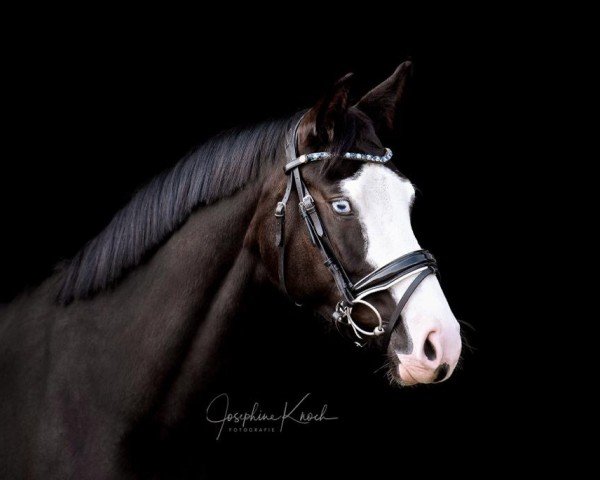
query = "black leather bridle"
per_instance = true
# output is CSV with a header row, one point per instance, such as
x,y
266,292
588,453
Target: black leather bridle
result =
x,y
419,262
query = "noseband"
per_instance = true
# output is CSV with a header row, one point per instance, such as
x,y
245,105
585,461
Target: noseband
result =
x,y
419,262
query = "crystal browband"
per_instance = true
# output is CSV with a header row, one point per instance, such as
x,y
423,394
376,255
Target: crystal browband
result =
x,y
315,157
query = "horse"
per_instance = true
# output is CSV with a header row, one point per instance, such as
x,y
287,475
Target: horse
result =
x,y
308,208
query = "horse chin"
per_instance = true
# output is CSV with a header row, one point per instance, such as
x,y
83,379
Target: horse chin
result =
x,y
401,374
398,374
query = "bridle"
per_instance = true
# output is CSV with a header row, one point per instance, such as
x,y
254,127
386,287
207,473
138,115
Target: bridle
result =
x,y
419,262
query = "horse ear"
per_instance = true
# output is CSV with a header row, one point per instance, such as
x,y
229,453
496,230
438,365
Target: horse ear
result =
x,y
381,103
328,115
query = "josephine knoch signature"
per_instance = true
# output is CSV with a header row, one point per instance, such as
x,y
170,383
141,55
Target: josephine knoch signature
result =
x,y
218,412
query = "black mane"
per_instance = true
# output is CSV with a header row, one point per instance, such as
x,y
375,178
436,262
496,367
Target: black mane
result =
x,y
214,170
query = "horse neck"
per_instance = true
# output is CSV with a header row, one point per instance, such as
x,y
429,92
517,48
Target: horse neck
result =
x,y
195,284
140,333
189,271
124,351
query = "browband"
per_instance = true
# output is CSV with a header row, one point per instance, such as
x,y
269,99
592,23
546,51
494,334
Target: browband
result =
x,y
315,157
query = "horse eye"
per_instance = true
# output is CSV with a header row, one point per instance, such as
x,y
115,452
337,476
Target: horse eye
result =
x,y
341,206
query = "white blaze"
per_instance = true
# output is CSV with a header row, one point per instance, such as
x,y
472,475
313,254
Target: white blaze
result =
x,y
382,200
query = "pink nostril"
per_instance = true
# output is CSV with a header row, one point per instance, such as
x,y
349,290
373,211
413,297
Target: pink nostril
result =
x,y
429,350
432,348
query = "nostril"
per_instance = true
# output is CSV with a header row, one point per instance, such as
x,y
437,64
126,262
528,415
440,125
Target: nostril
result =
x,y
429,350
441,372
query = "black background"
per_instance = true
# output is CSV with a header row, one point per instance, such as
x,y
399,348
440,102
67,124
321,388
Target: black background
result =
x,y
90,115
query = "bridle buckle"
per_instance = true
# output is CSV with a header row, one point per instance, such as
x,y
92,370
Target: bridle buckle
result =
x,y
280,210
308,203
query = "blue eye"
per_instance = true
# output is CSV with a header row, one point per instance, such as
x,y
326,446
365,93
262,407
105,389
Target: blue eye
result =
x,y
341,206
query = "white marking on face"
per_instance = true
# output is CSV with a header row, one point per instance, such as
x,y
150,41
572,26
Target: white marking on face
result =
x,y
382,200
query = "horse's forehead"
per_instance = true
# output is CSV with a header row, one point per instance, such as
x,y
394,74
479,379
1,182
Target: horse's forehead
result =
x,y
382,199
378,184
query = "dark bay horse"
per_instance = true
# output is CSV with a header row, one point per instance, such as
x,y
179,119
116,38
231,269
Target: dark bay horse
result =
x,y
134,325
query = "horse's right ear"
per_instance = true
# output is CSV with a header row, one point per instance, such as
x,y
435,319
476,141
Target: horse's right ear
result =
x,y
381,103
328,115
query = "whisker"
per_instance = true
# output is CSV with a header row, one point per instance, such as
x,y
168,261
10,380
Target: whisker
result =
x,y
385,365
467,344
466,324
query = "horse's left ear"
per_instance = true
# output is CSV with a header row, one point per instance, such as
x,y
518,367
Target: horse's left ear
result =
x,y
381,103
328,116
